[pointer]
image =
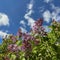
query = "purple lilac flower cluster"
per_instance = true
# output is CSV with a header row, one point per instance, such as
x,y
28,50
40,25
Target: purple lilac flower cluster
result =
x,y
13,48
27,38
13,38
19,33
38,28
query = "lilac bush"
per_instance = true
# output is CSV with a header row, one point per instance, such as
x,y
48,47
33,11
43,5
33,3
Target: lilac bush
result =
x,y
38,45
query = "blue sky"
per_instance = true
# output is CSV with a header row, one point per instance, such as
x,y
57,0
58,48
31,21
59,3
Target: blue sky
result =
x,y
15,14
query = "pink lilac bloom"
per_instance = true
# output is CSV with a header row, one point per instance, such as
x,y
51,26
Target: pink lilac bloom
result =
x,y
23,48
26,46
38,28
13,38
12,47
26,37
39,22
19,33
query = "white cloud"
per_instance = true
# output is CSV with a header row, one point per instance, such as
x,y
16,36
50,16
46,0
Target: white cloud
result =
x,y
54,15
46,28
22,22
58,18
30,6
47,1
4,20
3,34
29,19
56,12
28,14
23,29
47,16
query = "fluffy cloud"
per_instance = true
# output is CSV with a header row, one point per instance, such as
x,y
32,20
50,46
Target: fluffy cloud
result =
x,y
23,29
47,16
3,34
46,28
56,12
4,20
58,18
28,14
29,19
47,1
30,6
22,22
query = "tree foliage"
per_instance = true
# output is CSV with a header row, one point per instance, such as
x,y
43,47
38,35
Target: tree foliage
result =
x,y
36,45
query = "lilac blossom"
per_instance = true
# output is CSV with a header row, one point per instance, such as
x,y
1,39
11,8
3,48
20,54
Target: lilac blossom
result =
x,y
12,47
19,33
13,38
